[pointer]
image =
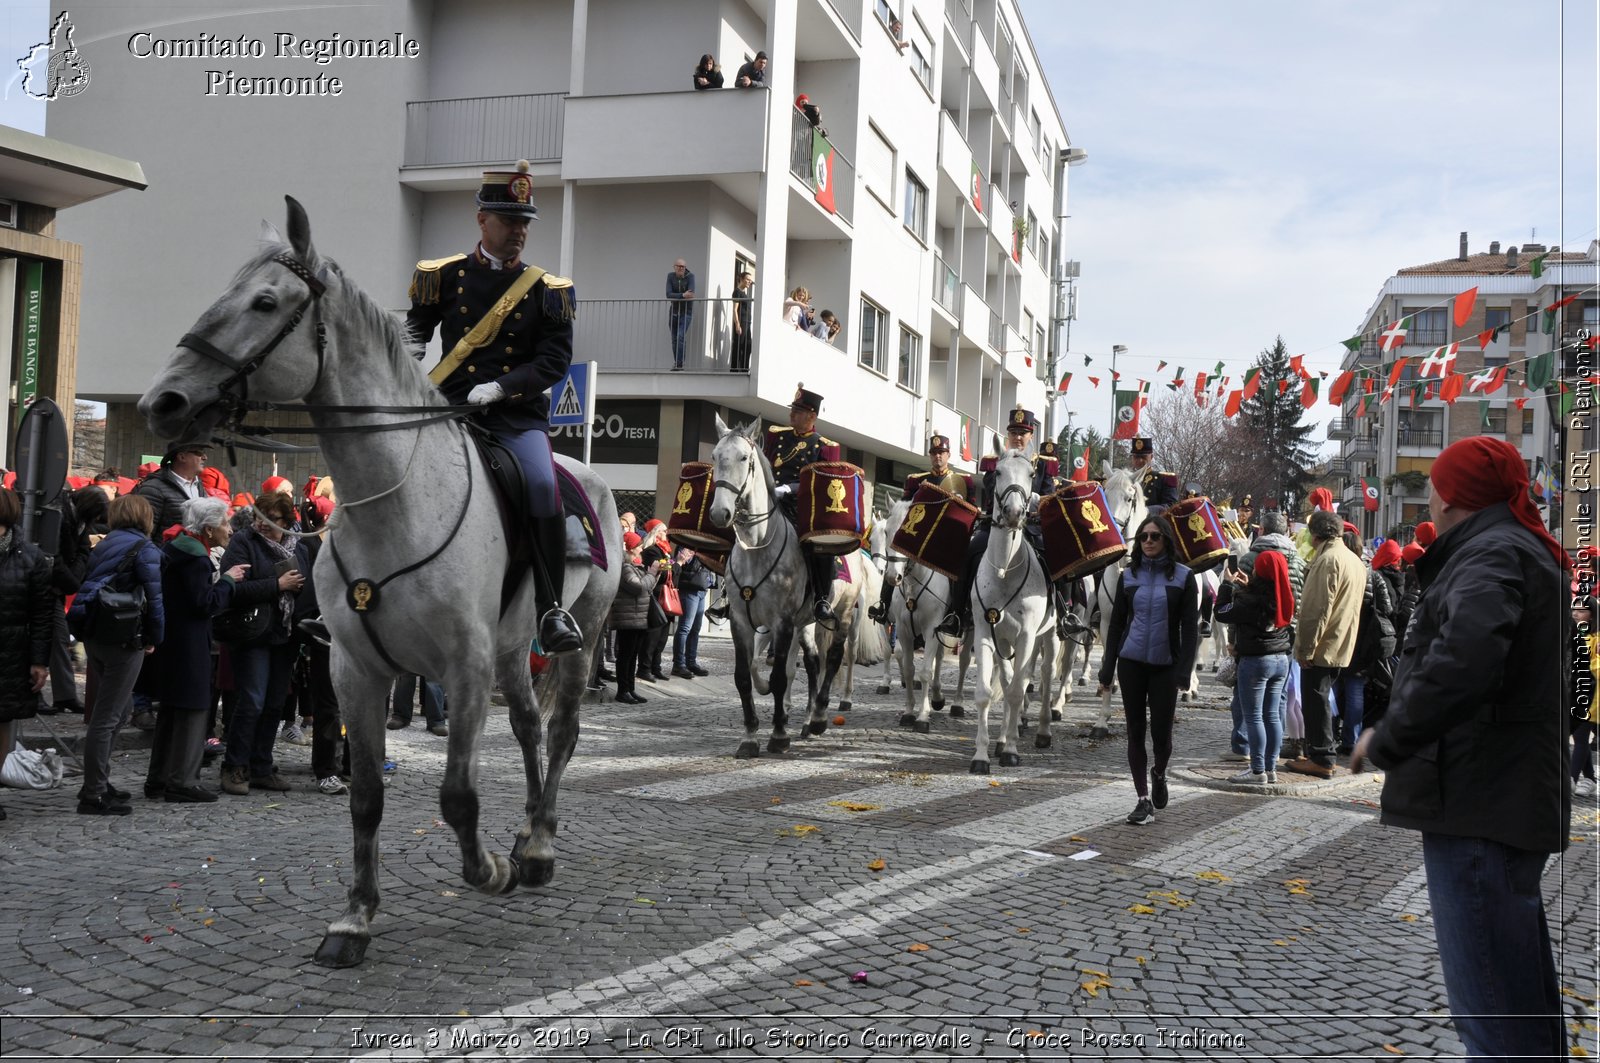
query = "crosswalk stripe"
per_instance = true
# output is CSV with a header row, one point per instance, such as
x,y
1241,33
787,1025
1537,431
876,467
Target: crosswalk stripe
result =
x,y
762,773
896,795
1267,834
1059,817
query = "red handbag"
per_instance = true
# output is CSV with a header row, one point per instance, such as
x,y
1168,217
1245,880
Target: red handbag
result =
x,y
667,595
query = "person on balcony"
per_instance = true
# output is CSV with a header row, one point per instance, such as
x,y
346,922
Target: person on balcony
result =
x,y
680,310
743,320
797,309
753,75
708,75
826,327
813,113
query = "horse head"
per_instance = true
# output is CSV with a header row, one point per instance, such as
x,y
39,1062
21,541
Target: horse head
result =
x,y
1124,498
215,365
1013,489
883,533
735,462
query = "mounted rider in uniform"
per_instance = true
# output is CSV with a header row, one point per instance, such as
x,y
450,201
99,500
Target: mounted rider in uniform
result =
x,y
940,475
1019,435
506,330
1160,488
788,450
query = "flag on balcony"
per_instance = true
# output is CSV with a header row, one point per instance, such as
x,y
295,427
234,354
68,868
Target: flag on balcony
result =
x,y
1128,404
822,171
966,439
977,187
1394,337
1463,306
1369,496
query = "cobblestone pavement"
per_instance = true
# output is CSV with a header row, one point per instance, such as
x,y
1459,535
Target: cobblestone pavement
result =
x,y
708,906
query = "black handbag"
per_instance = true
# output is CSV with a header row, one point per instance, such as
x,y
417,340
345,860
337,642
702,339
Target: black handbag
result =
x,y
242,623
116,617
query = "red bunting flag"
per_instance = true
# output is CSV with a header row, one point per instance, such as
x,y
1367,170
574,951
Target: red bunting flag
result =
x,y
1394,374
1486,337
1521,404
1450,390
1095,381
1558,305
1232,408
1394,337
1370,384
1341,385
1361,411
1463,306
1283,387
1252,384
1297,365
1308,396
1066,382
1489,381
1439,362
1200,384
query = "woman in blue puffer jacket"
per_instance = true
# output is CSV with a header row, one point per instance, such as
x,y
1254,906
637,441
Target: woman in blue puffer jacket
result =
x,y
116,667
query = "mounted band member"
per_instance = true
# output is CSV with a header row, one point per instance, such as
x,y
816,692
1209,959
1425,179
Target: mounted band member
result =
x,y
1160,488
506,329
941,476
1019,436
789,450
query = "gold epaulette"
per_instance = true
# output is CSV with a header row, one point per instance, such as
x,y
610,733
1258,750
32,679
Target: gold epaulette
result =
x,y
825,441
425,280
559,296
778,428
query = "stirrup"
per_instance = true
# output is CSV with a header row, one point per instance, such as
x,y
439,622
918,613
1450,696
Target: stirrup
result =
x,y
559,633
949,630
877,611
823,612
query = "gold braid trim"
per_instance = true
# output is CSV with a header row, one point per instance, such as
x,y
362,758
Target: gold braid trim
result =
x,y
427,279
558,301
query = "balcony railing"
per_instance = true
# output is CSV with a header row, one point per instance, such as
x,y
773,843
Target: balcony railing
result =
x,y
1340,428
800,164
997,332
1362,447
1407,436
637,335
946,285
484,129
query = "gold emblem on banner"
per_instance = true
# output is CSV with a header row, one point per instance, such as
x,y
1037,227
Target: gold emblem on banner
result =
x,y
1091,513
685,492
836,492
1197,526
918,512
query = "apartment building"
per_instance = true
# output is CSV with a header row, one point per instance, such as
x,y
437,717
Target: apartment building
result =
x,y
934,249
1391,440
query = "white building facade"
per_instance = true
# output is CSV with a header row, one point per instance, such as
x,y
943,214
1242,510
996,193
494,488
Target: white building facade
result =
x,y
936,255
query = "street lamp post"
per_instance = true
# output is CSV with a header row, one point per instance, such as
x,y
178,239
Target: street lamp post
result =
x,y
1062,311
1111,451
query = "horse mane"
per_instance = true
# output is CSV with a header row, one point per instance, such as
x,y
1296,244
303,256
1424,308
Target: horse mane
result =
x,y
398,346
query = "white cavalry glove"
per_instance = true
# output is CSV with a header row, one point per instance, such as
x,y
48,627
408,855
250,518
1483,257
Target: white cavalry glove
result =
x,y
484,394
784,490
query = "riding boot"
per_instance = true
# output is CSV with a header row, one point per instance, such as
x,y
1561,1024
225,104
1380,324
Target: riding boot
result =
x,y
1068,622
959,618
820,569
558,632
880,608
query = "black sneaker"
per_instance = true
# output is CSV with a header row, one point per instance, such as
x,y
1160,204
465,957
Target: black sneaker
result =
x,y
1158,791
1142,815
102,807
114,794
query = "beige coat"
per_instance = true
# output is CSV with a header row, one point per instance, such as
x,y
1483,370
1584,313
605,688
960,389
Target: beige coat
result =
x,y
1329,613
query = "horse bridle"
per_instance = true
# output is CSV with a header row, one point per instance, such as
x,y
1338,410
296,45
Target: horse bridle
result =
x,y
739,490
239,405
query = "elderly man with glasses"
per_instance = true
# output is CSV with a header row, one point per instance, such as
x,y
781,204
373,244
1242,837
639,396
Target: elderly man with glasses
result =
x,y
680,310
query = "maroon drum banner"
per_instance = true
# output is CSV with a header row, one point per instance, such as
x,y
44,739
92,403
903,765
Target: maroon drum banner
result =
x,y
689,522
1201,542
1081,536
833,511
937,529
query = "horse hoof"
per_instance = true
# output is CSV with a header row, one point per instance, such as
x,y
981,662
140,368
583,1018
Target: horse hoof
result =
x,y
907,719
957,711
844,706
341,950
748,750
535,872
1082,681
1055,715
816,727
997,748
883,688
979,767
1030,689
1010,759
1041,741
921,727
1100,732
936,704
777,745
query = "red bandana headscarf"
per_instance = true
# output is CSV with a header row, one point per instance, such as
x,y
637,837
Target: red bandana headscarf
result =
x,y
1413,553
1481,471
1426,534
1387,554
1321,498
1271,566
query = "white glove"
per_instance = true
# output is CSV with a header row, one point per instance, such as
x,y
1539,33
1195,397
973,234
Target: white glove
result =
x,y
784,490
486,393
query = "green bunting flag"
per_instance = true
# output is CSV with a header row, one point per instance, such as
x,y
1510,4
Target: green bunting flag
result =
x,y
1353,344
1539,370
1538,266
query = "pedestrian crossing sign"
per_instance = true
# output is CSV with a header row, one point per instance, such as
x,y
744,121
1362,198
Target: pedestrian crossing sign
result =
x,y
571,396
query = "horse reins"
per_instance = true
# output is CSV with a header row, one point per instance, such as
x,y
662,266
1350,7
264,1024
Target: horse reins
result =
x,y
738,497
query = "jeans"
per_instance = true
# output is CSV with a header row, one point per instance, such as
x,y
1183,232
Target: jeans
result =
x,y
116,669
686,643
405,694
1239,739
1260,688
678,325
1583,740
1351,691
1316,688
261,674
1494,946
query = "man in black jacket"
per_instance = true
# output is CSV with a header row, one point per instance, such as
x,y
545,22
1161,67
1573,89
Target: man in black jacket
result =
x,y
177,481
1474,746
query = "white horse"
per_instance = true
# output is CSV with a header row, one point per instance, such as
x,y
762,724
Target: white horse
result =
x,y
921,599
869,643
1125,499
768,592
410,578
1011,614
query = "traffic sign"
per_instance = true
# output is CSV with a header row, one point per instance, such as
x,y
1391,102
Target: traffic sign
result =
x,y
572,398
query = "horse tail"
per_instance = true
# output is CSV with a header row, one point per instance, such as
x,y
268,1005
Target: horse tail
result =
x,y
870,644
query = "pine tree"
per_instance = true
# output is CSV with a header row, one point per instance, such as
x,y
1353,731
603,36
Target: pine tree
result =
x,y
1271,444
1070,444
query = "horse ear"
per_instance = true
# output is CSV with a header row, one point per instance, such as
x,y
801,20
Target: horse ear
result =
x,y
300,232
722,426
1105,468
752,431
994,443
269,234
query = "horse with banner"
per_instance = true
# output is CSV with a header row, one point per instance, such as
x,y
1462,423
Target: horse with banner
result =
x,y
922,597
1126,502
768,592
417,575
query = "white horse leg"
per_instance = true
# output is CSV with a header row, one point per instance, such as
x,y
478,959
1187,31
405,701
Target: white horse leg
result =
x,y
983,694
744,682
361,700
905,653
963,662
1041,737
783,638
468,684
533,853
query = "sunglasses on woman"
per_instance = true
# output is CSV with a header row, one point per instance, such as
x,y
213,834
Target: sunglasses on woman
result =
x,y
1152,537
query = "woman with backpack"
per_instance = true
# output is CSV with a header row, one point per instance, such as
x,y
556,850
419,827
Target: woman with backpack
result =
x,y
125,563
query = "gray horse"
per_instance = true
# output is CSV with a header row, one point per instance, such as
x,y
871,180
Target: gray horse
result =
x,y
436,609
768,593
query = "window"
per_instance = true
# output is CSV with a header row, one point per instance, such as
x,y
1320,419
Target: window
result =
x,y
874,325
916,216
1495,422
877,166
1044,252
1527,422
921,65
1497,317
1027,332
910,372
1428,327
1038,347
1033,231
885,11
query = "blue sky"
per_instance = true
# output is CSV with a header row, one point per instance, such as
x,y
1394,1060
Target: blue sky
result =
x,y
1261,168
23,23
